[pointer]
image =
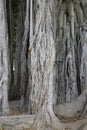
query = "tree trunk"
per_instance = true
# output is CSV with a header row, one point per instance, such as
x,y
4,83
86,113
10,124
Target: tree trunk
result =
x,y
78,106
24,57
10,39
4,60
19,34
42,47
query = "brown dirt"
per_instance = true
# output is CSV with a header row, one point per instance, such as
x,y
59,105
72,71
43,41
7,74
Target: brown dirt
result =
x,y
15,108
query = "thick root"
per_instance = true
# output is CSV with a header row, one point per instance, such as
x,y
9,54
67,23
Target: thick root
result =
x,y
75,108
46,120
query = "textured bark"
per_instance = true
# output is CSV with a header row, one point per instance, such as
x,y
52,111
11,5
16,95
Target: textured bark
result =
x,y
4,60
10,36
68,49
56,62
42,57
20,28
45,52
42,47
79,106
75,108
24,57
21,122
25,122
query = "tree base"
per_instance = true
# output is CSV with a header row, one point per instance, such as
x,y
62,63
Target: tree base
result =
x,y
46,120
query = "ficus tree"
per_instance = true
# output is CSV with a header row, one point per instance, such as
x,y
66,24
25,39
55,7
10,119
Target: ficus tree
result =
x,y
57,49
50,61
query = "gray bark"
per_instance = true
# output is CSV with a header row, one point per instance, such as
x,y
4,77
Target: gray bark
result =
x,y
10,39
10,33
42,46
53,44
67,52
19,34
79,106
24,57
4,60
43,58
